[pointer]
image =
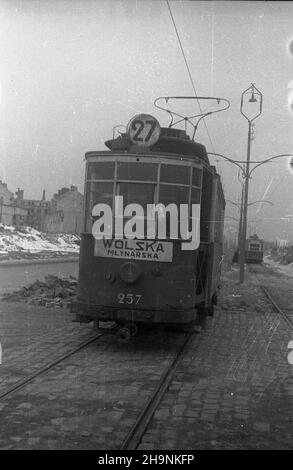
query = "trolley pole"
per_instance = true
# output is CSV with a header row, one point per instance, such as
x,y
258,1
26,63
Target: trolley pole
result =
x,y
254,92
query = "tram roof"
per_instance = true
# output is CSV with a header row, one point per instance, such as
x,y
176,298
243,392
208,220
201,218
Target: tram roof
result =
x,y
172,141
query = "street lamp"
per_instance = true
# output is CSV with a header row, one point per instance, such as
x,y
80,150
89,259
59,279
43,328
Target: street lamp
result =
x,y
256,97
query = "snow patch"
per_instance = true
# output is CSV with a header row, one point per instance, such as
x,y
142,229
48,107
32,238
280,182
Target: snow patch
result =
x,y
30,240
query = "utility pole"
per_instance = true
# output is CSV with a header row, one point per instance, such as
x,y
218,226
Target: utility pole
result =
x,y
240,221
254,92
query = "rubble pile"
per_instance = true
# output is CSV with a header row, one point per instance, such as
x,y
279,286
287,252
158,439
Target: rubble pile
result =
x,y
54,292
235,297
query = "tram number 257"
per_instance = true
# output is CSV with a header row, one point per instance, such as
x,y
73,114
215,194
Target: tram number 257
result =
x,y
128,298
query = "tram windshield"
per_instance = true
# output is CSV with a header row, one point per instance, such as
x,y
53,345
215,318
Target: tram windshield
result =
x,y
137,171
254,247
140,183
101,170
175,174
170,193
97,193
136,193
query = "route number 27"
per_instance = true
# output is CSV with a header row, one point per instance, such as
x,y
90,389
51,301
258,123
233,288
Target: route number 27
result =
x,y
144,130
128,298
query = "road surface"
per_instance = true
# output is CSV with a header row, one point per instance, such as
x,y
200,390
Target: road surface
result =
x,y
14,277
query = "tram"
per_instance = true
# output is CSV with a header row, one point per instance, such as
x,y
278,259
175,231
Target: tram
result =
x,y
159,276
254,250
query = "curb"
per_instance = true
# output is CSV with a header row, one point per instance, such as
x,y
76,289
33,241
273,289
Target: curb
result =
x,y
39,261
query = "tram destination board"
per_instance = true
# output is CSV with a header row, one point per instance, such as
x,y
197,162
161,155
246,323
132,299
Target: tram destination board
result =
x,y
135,249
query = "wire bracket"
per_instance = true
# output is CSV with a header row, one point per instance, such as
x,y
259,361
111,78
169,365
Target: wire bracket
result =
x,y
188,119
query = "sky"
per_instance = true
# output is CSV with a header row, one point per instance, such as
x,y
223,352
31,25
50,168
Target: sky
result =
x,y
73,69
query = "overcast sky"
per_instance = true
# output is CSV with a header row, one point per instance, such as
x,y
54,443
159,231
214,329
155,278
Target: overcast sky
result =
x,y
71,70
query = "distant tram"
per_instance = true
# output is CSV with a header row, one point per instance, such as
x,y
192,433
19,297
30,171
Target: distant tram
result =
x,y
254,250
148,280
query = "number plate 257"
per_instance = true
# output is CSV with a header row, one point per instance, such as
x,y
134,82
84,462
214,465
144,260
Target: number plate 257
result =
x,y
128,298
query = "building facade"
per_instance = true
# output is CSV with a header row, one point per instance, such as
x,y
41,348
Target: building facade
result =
x,y
10,213
36,210
65,212
62,214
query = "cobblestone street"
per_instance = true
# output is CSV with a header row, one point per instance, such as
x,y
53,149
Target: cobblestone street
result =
x,y
232,390
33,337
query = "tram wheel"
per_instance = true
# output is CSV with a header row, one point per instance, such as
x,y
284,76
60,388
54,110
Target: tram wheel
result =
x,y
123,335
132,327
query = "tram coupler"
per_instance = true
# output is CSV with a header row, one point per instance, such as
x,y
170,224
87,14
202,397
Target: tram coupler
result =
x,y
123,335
126,331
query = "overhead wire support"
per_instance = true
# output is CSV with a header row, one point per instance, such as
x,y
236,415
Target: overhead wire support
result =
x,y
186,119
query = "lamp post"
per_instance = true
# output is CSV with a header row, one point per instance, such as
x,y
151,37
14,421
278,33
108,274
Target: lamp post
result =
x,y
256,97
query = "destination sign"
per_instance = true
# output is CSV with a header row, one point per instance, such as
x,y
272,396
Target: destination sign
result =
x,y
145,250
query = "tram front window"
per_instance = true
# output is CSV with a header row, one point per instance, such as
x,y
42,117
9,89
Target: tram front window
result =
x,y
177,195
100,171
178,174
173,194
137,171
136,193
97,193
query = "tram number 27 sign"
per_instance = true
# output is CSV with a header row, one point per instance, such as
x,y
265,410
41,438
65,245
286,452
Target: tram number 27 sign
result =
x,y
143,130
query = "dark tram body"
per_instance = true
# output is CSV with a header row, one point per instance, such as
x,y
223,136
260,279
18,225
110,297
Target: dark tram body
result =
x,y
254,250
150,280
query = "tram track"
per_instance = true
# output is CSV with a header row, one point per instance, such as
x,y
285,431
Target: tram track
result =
x,y
23,382
136,433
278,309
142,411
273,301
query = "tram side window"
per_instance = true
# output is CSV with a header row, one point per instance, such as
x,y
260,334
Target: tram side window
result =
x,y
97,193
100,170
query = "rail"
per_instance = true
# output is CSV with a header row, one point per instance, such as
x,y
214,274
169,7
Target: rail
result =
x,y
21,383
136,433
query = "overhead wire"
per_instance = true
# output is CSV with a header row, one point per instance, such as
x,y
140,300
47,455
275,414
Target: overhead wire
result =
x,y
189,72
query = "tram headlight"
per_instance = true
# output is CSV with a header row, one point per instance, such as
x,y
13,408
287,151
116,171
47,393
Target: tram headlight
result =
x,y
130,272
